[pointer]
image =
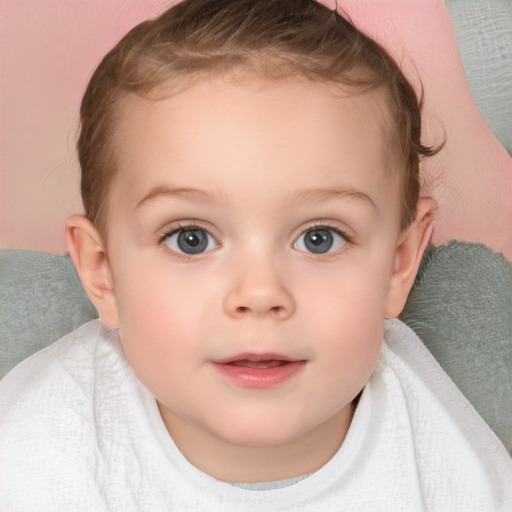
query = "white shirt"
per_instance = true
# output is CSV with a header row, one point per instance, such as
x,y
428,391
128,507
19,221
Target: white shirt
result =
x,y
79,432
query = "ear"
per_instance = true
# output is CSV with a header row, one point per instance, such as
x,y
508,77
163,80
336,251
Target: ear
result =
x,y
411,245
88,253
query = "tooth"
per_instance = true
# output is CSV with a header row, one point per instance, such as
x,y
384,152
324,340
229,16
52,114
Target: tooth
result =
x,y
259,364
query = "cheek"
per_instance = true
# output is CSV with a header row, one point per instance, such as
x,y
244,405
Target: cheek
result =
x,y
352,293
351,334
345,314
159,326
154,294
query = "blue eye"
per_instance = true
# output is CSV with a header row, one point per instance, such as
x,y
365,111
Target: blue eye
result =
x,y
190,241
320,240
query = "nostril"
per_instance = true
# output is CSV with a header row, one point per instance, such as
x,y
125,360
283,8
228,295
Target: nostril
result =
x,y
254,301
275,310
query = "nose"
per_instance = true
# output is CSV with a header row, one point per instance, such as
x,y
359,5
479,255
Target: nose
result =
x,y
257,289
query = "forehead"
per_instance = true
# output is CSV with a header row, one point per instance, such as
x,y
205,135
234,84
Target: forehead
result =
x,y
218,132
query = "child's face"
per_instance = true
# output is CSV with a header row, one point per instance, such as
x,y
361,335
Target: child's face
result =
x,y
252,238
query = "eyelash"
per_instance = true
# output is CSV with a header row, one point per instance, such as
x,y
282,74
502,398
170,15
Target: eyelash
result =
x,y
181,227
194,226
326,225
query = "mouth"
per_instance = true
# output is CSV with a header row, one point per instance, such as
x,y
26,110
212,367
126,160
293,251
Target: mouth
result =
x,y
264,364
259,370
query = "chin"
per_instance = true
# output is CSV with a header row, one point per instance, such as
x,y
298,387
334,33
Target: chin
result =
x,y
260,434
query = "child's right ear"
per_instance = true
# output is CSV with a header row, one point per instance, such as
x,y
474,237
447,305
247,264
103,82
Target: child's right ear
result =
x,y
88,253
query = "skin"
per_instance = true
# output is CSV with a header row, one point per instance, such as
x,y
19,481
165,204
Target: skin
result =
x,y
256,166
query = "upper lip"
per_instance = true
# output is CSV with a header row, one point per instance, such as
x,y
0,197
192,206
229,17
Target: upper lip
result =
x,y
248,356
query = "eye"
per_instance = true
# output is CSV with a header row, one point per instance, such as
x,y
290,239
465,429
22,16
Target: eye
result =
x,y
320,240
190,241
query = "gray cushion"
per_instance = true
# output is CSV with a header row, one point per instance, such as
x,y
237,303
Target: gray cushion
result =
x,y
41,299
484,33
461,308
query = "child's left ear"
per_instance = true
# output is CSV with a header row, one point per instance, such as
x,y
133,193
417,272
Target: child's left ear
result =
x,y
409,251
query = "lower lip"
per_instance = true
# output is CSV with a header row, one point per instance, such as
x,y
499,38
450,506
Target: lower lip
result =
x,y
261,378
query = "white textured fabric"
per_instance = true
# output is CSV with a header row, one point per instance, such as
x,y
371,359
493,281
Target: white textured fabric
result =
x,y
79,432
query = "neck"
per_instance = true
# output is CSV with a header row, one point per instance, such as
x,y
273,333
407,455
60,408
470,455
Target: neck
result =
x,y
259,462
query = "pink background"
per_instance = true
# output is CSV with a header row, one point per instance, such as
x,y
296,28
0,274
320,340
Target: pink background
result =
x,y
48,50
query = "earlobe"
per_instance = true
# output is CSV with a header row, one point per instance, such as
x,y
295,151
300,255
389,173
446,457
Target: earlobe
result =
x,y
410,248
88,253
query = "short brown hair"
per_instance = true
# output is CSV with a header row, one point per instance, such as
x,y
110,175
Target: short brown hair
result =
x,y
275,38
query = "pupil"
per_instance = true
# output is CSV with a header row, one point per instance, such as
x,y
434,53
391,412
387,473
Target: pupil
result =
x,y
318,240
193,241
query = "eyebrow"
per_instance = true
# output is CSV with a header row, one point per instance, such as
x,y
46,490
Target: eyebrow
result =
x,y
325,194
309,195
164,191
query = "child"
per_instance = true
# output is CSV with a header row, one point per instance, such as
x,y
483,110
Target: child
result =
x,y
250,181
